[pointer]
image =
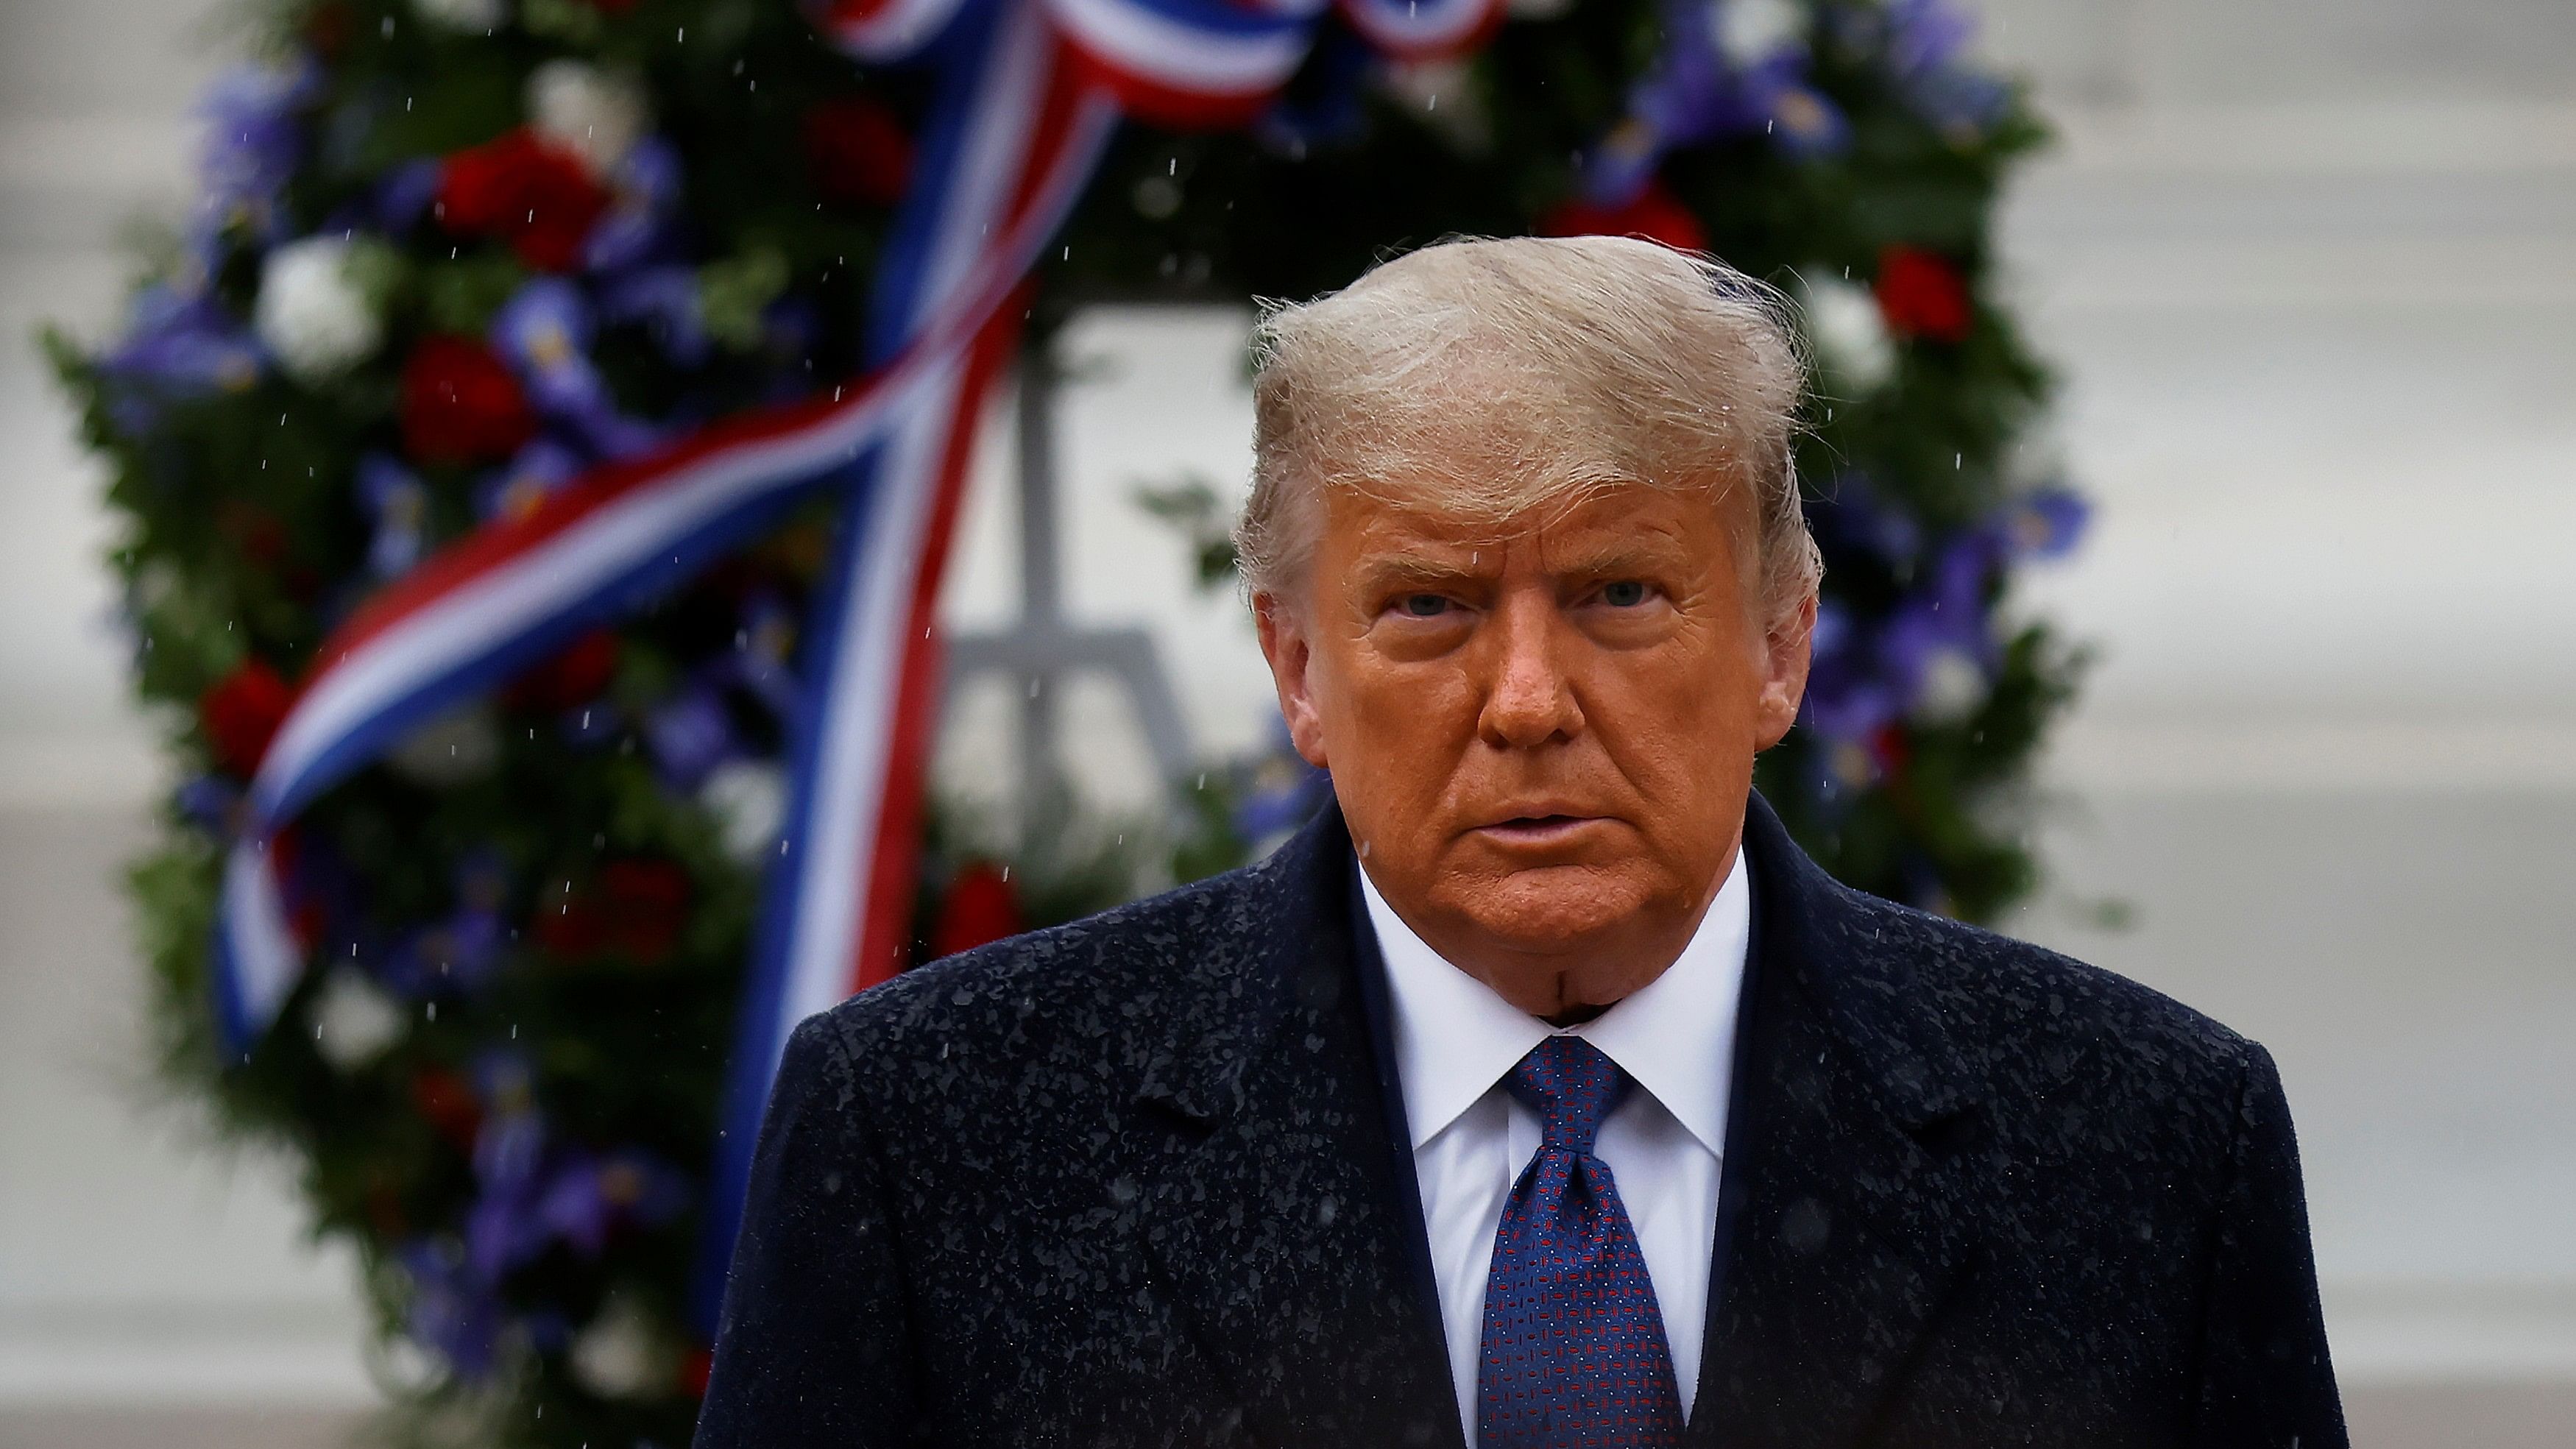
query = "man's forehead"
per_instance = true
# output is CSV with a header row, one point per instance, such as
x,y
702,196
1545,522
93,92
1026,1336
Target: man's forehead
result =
x,y
1590,518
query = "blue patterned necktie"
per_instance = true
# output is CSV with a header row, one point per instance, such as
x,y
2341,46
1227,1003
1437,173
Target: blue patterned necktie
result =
x,y
1574,1351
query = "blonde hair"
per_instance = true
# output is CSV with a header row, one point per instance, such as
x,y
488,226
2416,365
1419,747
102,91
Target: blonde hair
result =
x,y
1488,379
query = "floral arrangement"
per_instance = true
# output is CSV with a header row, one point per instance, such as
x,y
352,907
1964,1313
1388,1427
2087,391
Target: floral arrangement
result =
x,y
450,254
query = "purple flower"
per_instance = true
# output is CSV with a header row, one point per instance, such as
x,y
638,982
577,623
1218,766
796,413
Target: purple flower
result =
x,y
638,224
1932,656
691,733
1938,661
664,299
1687,95
642,1188
211,803
1801,121
585,1198
1925,53
1328,102
1852,518
592,724
463,949
544,332
1281,791
254,138
398,502
1926,35
1700,90
1937,647
1962,571
758,664
1848,699
571,1209
461,952
455,1312
502,1227
2046,523
404,194
185,343
540,467
535,1193
790,330
1960,100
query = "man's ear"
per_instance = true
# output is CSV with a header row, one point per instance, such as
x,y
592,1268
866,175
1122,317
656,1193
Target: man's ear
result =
x,y
1784,674
1285,643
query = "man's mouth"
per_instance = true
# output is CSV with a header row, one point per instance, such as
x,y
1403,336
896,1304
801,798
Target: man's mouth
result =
x,y
1538,830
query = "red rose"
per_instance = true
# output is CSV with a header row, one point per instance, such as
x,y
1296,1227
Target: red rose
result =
x,y
241,713
696,1367
1923,295
568,923
634,908
1892,751
258,533
477,185
460,404
327,29
447,1101
1654,213
385,1210
857,152
648,901
572,678
980,907
517,186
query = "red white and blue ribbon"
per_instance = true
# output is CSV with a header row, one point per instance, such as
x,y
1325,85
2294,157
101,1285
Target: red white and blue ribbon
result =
x,y
1029,94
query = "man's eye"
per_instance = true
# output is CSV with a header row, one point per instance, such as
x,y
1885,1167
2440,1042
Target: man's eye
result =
x,y
1626,594
1423,606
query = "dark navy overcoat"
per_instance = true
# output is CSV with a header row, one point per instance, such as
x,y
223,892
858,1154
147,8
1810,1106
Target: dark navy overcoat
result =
x,y
1140,1180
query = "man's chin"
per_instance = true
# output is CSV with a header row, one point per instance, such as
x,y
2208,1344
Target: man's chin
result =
x,y
1545,909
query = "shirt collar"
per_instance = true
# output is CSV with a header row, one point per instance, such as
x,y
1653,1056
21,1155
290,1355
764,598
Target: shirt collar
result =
x,y
1675,1036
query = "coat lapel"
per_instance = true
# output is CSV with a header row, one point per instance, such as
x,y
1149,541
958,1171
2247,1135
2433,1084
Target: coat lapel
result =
x,y
1842,1219
1287,1227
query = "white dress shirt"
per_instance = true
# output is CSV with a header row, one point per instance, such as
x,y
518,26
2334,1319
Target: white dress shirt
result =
x,y
1456,1040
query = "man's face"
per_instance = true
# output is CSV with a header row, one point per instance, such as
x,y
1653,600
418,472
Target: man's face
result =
x,y
1542,741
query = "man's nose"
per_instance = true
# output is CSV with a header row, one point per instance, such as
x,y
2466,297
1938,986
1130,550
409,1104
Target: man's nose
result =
x,y
1530,700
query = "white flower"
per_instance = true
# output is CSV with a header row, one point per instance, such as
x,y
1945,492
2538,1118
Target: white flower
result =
x,y
354,1020
1952,686
597,114
749,801
1850,333
618,1355
1443,93
460,14
1749,32
311,311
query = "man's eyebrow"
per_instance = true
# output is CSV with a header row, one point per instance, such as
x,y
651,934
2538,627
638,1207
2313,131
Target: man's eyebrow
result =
x,y
1393,569
1620,556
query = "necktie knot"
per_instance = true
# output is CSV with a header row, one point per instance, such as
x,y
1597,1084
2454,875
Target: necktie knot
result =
x,y
1572,1086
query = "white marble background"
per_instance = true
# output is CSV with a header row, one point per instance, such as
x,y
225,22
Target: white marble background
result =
x,y
2310,272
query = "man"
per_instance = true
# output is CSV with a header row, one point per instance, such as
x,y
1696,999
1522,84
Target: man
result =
x,y
1544,1093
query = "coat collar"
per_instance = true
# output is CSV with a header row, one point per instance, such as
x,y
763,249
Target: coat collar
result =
x,y
1845,1210
1288,1227
1871,992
